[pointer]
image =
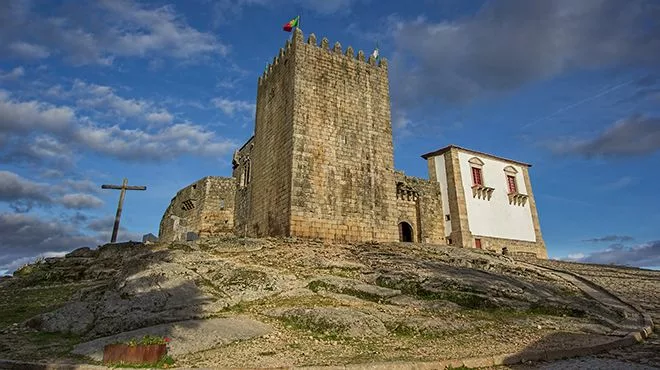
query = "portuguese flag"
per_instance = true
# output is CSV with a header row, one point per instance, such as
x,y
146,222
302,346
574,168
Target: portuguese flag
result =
x,y
292,23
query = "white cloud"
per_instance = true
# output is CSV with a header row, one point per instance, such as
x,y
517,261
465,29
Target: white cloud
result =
x,y
23,116
104,100
22,194
228,10
165,31
641,255
576,256
159,117
507,44
620,183
169,142
80,201
14,187
98,96
230,107
64,131
50,173
14,74
44,146
86,186
99,32
632,136
28,51
26,237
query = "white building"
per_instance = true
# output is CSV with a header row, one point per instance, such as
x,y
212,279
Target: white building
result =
x,y
487,201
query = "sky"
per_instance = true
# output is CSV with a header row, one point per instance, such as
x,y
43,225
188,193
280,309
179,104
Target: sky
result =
x,y
162,92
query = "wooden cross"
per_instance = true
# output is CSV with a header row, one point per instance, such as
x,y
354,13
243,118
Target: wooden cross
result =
x,y
124,186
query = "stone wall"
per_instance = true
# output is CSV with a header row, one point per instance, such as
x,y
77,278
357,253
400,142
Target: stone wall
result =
x,y
513,247
419,204
269,194
460,229
343,184
205,208
242,172
541,250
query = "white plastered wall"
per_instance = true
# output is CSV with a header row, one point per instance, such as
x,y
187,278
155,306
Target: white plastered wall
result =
x,y
496,217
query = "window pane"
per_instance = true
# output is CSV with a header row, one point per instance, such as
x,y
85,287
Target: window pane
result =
x,y
512,184
476,176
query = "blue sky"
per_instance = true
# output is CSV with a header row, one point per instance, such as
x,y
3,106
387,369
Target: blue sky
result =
x,y
162,92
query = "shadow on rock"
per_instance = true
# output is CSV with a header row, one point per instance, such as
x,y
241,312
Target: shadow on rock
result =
x,y
146,290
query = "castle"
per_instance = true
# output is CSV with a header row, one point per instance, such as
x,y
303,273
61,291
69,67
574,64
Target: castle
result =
x,y
321,165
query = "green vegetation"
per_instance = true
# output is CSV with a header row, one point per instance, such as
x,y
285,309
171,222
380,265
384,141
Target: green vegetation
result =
x,y
246,277
302,301
46,345
183,247
40,273
318,330
146,340
345,272
317,285
463,298
20,304
556,311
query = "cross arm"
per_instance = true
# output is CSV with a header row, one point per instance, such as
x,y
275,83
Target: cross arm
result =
x,y
119,187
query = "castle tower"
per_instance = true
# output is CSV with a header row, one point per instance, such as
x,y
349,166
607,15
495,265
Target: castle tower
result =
x,y
321,160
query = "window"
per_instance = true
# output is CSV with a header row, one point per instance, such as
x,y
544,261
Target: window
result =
x,y
187,205
245,174
510,172
476,164
447,217
511,181
477,243
476,176
479,189
515,196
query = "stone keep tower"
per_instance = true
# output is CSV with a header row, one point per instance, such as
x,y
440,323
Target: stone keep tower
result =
x,y
321,162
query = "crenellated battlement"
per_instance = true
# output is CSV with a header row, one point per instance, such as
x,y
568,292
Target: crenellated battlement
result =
x,y
298,39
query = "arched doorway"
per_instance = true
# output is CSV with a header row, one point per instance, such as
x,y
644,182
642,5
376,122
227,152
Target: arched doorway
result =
x,y
405,232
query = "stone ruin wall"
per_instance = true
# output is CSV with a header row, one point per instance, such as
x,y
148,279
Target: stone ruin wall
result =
x,y
419,203
343,176
270,157
321,162
241,163
205,208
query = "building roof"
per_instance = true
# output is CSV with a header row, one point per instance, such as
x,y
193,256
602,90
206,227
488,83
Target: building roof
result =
x,y
445,149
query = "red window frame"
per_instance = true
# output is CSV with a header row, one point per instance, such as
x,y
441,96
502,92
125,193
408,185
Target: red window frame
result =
x,y
477,178
511,181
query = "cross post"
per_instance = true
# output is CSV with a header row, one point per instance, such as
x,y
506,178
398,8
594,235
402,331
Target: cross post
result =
x,y
124,186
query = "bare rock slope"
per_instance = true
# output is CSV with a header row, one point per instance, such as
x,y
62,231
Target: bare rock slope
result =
x,y
326,304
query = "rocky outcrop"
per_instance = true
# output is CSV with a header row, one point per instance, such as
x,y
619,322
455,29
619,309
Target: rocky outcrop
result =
x,y
159,287
189,336
140,286
333,321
